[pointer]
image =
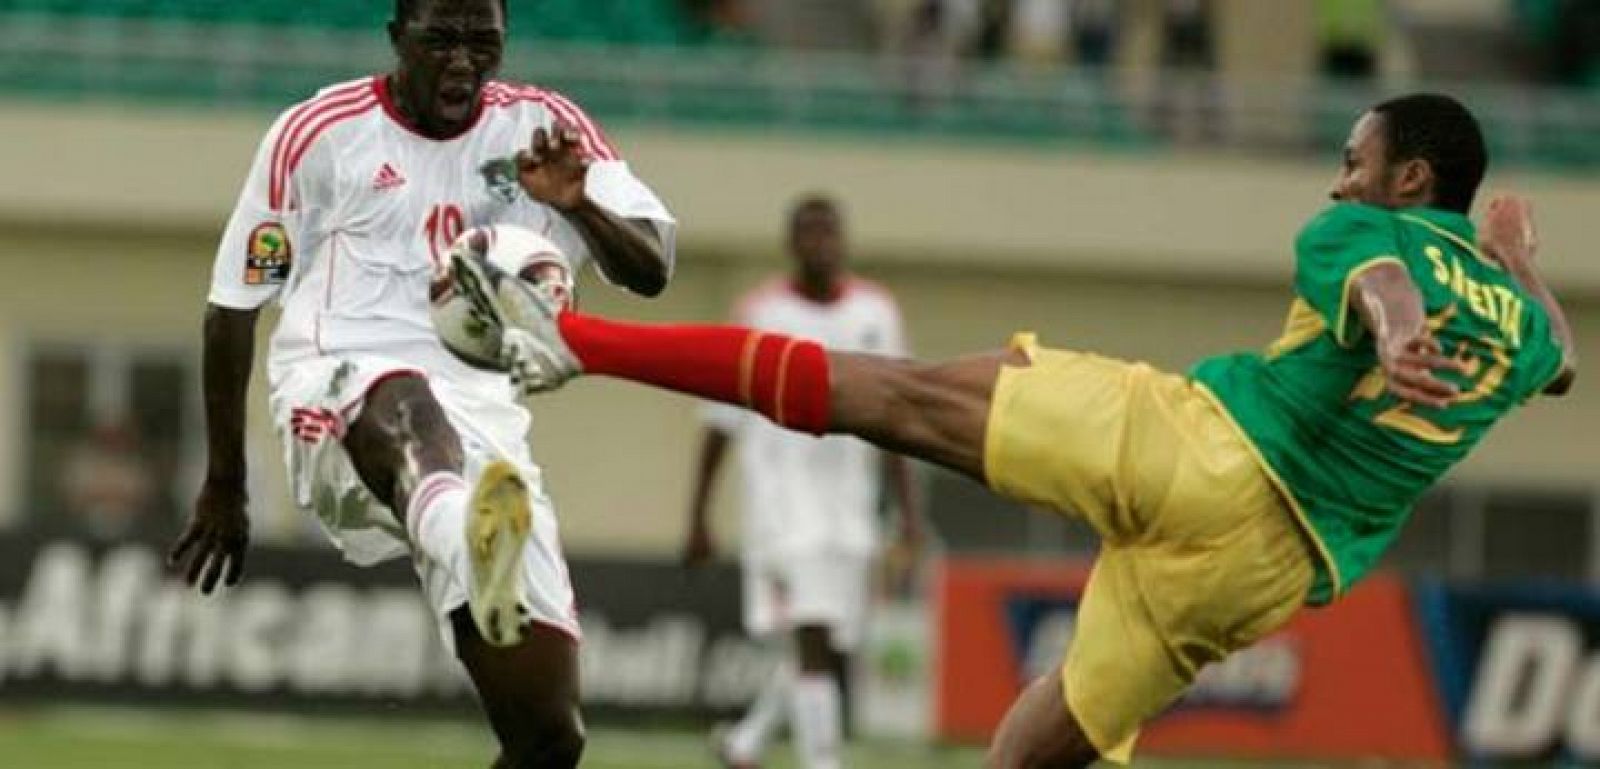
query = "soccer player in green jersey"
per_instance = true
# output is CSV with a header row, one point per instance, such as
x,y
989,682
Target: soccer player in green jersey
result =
x,y
1225,499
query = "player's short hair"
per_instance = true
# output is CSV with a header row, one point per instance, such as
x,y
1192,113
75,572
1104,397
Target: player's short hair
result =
x,y
1440,130
406,10
814,202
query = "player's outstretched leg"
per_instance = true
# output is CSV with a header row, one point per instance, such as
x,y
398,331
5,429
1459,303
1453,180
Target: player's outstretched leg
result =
x,y
410,458
530,693
935,412
1039,732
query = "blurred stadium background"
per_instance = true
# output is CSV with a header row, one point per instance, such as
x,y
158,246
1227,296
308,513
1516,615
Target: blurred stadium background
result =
x,y
1123,176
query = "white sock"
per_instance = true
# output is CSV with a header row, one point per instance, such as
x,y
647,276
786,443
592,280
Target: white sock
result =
x,y
747,740
816,716
436,520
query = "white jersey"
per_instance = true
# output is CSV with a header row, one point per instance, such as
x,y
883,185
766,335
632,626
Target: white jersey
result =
x,y
802,495
347,213
346,217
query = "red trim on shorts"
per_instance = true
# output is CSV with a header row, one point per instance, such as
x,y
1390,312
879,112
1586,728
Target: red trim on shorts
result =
x,y
344,411
577,640
310,425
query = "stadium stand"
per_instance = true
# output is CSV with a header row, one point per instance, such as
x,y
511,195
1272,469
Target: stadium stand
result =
x,y
656,61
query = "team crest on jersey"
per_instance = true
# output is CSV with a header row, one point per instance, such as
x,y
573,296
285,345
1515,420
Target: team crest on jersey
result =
x,y
268,254
500,175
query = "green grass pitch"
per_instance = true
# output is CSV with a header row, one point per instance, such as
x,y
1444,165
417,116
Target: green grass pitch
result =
x,y
79,738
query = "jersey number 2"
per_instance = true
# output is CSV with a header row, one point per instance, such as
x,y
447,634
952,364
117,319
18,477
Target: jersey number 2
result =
x,y
1485,370
444,224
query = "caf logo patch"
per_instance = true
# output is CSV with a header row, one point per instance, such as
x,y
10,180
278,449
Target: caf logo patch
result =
x,y
268,254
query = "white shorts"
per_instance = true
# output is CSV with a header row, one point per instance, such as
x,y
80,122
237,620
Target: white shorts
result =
x,y
781,594
314,400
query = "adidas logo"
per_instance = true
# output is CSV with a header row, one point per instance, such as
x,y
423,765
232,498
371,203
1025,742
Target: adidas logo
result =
x,y
387,178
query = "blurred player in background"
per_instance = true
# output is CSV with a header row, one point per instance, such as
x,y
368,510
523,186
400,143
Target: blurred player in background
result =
x,y
1227,499
349,210
810,531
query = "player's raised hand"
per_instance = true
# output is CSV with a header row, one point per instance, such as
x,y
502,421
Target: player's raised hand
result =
x,y
553,168
1508,233
214,542
1411,371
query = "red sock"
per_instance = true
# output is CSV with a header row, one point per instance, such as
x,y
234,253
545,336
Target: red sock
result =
x,y
780,376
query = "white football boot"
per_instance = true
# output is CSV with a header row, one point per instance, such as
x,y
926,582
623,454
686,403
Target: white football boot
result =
x,y
524,304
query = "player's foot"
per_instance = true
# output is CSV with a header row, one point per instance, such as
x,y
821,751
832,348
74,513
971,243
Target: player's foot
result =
x,y
723,752
498,521
526,311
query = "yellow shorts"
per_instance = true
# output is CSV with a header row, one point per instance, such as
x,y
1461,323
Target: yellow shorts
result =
x,y
1200,555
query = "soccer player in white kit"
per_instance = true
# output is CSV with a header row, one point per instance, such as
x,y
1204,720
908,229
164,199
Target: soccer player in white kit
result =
x,y
810,531
347,217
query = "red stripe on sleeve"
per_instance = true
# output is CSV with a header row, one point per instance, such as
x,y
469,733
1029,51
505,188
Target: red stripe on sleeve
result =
x,y
594,140
297,118
601,148
293,136
326,120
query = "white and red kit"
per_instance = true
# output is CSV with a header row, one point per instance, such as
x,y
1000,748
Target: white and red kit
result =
x,y
344,218
810,523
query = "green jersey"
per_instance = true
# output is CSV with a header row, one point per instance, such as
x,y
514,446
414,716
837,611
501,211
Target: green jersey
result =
x,y
1351,457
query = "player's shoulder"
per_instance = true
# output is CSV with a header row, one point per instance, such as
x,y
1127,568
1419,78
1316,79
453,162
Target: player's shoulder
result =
x,y
535,105
1343,216
514,97
1343,224
330,103
761,296
288,148
871,294
333,111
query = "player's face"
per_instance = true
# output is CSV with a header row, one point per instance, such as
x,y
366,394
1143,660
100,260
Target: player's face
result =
x,y
817,239
446,54
1366,175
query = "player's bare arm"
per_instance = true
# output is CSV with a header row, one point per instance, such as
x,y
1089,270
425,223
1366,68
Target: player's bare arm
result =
x,y
1391,307
1508,235
699,545
214,542
909,504
552,171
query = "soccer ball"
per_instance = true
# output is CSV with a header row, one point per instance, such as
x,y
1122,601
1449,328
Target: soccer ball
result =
x,y
467,328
